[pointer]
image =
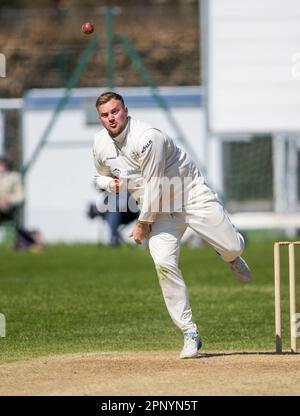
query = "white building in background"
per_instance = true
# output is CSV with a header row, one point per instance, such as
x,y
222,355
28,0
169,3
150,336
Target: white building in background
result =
x,y
250,59
59,184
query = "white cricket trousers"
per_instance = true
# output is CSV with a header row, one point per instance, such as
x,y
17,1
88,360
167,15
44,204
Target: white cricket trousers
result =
x,y
207,218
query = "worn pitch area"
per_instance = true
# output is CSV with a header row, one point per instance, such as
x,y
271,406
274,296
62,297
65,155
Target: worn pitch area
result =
x,y
154,373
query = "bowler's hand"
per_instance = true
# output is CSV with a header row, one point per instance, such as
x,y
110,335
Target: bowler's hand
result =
x,y
140,232
116,185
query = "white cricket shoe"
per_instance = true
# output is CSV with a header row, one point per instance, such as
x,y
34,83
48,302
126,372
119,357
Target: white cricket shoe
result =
x,y
192,345
240,270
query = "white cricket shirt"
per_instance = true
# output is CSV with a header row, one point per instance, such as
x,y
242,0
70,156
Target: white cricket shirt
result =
x,y
142,156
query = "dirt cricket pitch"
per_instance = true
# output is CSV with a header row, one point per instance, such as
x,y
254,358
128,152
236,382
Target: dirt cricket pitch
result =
x,y
154,373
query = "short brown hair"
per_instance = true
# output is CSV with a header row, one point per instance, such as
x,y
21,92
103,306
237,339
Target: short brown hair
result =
x,y
107,96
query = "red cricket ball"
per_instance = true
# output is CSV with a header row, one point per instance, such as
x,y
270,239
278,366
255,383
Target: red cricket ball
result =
x,y
87,28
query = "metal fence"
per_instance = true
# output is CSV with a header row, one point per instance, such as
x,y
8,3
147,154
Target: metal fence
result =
x,y
44,44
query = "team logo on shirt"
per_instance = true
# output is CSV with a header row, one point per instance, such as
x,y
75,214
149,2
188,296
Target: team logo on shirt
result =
x,y
116,172
146,146
124,172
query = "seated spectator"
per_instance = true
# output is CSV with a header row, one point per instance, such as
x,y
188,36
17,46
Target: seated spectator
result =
x,y
11,191
11,198
121,215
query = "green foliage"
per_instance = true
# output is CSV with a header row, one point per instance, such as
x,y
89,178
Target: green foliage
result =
x,y
79,298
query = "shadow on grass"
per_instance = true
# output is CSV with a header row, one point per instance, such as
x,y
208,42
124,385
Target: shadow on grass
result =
x,y
228,354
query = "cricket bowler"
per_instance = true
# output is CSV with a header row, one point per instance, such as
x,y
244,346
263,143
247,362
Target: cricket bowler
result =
x,y
172,195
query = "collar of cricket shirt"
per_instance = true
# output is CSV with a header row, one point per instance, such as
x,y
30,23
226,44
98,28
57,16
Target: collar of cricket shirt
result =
x,y
121,137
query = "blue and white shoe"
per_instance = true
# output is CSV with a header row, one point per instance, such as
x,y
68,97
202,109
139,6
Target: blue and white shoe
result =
x,y
241,270
192,345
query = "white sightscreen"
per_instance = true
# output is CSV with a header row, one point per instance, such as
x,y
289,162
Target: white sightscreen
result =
x,y
252,65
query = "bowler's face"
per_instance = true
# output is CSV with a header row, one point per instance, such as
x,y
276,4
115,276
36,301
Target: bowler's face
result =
x,y
113,116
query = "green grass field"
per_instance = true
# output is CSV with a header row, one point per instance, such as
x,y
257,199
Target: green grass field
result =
x,y
82,298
